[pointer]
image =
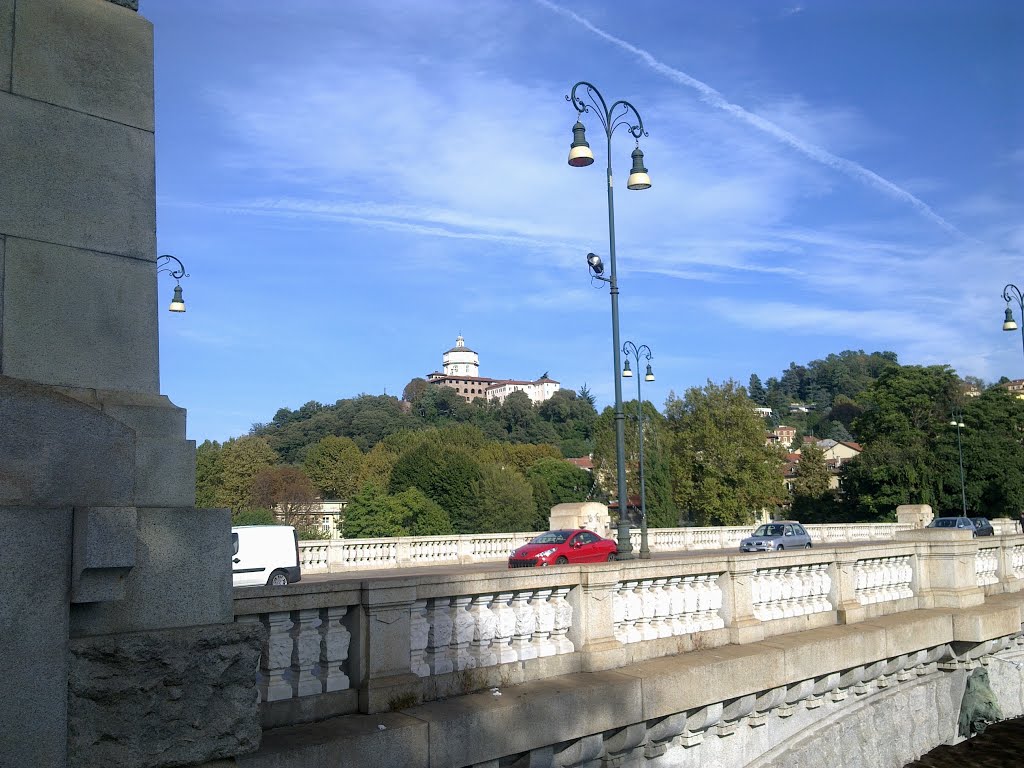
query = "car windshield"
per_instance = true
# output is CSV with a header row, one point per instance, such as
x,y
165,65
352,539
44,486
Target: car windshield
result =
x,y
551,537
945,522
769,530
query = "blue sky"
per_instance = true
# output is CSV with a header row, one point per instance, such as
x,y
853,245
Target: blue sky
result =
x,y
352,184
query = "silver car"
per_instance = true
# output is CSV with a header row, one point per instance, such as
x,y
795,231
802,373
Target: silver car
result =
x,y
781,534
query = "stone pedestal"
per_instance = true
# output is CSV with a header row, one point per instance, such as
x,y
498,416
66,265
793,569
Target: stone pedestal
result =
x,y
98,530
586,514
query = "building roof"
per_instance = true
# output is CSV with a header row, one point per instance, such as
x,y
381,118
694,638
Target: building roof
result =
x,y
583,462
459,349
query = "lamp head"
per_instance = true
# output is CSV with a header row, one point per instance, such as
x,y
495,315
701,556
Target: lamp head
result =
x,y
638,178
626,372
595,264
177,303
1009,324
649,376
580,155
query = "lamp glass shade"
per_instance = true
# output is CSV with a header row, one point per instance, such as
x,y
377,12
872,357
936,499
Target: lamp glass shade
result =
x,y
1009,324
595,263
649,376
626,373
580,154
638,178
177,303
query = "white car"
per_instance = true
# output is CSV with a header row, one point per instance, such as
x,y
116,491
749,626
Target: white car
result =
x,y
264,555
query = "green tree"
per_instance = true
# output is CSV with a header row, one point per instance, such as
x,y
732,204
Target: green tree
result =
x,y
723,472
448,475
208,474
813,499
414,389
333,464
241,460
506,502
556,481
374,514
254,517
756,390
376,466
422,516
907,443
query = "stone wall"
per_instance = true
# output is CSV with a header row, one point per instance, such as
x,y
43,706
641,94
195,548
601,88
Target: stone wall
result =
x,y
97,480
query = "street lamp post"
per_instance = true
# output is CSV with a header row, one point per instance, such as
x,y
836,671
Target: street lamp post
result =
x,y
163,264
958,422
581,156
1012,292
629,348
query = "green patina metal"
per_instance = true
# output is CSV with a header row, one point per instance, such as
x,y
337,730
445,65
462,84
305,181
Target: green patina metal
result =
x,y
979,707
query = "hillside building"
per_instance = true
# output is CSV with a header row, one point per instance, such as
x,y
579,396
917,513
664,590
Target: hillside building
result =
x,y
460,370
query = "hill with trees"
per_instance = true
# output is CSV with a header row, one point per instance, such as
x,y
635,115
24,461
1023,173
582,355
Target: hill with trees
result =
x,y
433,463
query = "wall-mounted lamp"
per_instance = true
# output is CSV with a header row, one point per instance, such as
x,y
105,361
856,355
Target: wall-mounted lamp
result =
x,y
163,265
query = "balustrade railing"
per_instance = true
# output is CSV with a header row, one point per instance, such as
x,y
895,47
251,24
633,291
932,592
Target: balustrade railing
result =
x,y
781,593
331,556
330,637
881,579
647,609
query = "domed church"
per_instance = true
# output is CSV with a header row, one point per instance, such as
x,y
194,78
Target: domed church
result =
x,y
460,370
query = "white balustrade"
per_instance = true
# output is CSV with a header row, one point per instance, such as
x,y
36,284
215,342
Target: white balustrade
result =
x,y
350,554
679,605
469,631
1017,561
305,652
878,580
779,593
986,566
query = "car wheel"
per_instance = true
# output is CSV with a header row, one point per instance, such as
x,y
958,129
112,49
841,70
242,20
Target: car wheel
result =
x,y
278,579
808,545
562,560
779,547
611,557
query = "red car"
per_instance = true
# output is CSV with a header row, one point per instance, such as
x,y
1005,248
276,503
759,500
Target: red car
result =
x,y
562,547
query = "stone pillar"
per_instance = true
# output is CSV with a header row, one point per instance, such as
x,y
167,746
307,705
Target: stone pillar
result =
x,y
96,469
946,576
593,624
384,662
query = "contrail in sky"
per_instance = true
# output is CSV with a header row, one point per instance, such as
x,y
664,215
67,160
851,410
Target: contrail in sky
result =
x,y
710,96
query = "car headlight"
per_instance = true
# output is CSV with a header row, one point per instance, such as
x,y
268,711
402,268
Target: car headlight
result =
x,y
547,552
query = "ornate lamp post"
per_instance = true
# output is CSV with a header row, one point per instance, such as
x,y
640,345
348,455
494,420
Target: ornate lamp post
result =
x,y
631,349
163,265
581,156
1011,291
958,422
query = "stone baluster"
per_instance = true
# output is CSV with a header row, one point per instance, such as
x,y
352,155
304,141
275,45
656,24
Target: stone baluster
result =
x,y
544,612
677,604
439,637
261,678
526,623
485,628
634,611
276,657
563,621
419,632
462,633
648,610
306,651
689,595
661,623
506,628
334,643
618,593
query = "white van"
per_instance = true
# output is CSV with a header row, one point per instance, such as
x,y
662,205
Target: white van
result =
x,y
264,554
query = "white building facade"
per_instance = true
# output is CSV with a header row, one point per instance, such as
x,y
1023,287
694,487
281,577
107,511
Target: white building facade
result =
x,y
460,370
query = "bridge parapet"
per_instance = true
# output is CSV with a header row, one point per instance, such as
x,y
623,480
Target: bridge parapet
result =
x,y
349,646
346,555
